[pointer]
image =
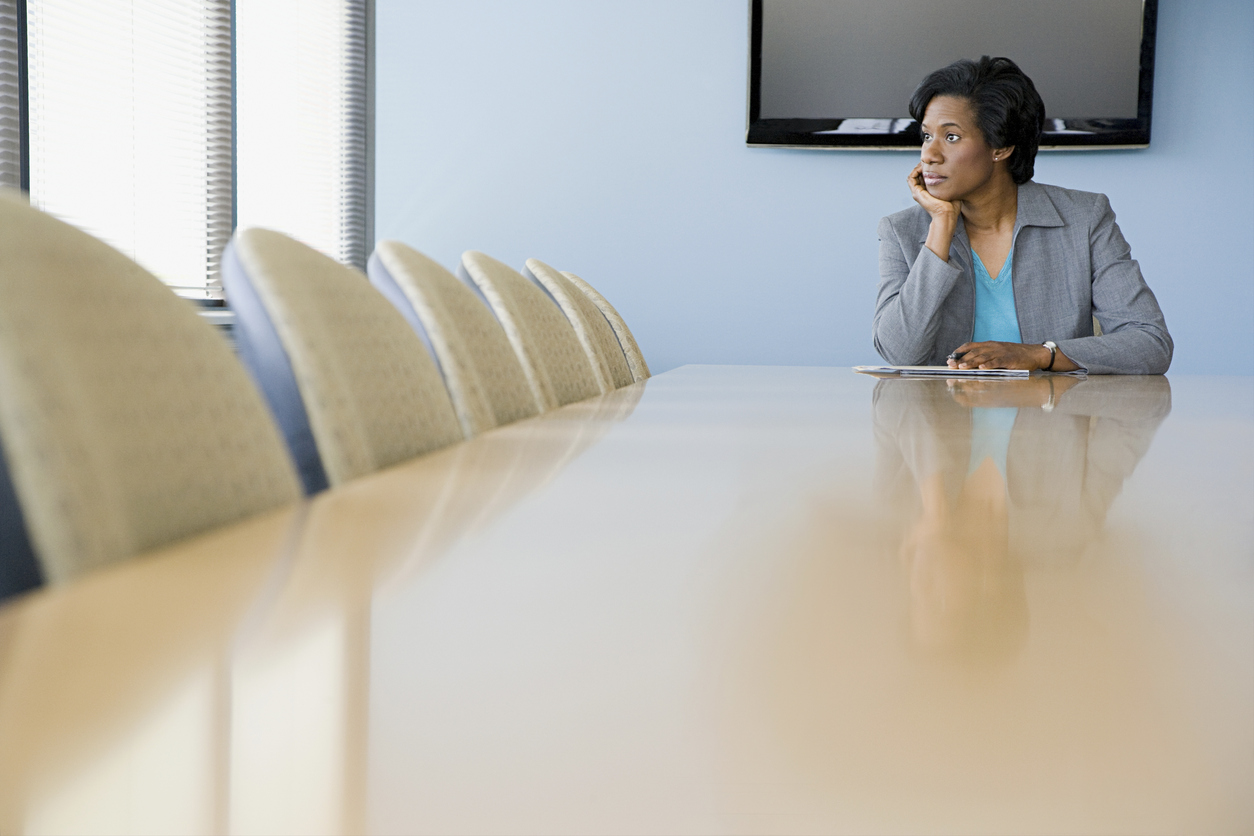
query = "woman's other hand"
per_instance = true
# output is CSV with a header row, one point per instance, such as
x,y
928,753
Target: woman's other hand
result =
x,y
995,355
944,214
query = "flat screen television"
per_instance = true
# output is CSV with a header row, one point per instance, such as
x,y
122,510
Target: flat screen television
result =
x,y
838,74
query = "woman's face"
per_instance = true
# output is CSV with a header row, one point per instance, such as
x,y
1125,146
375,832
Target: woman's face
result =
x,y
956,159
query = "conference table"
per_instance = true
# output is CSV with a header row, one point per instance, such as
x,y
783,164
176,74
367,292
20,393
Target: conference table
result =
x,y
729,599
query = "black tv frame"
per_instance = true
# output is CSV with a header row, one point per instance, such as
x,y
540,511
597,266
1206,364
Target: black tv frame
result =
x,y
1069,134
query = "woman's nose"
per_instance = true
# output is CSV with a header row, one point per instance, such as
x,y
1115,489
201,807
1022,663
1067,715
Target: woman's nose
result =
x,y
929,153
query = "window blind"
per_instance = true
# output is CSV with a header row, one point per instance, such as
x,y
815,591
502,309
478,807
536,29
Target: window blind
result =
x,y
130,128
301,131
10,126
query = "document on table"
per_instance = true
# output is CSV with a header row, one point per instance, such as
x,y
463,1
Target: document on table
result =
x,y
940,371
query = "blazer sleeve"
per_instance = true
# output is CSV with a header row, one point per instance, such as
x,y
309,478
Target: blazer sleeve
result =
x,y
908,306
1134,337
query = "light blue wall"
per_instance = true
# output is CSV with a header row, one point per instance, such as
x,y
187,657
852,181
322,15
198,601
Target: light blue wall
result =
x,y
607,138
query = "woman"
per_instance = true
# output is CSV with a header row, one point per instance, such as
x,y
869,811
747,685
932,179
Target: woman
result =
x,y
994,271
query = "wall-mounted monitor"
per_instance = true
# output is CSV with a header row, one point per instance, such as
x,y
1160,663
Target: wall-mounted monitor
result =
x,y
839,73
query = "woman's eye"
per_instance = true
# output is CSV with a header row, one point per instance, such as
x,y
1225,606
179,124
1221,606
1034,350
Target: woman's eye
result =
x,y
951,137
927,137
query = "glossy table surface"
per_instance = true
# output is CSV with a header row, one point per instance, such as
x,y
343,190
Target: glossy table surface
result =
x,y
727,600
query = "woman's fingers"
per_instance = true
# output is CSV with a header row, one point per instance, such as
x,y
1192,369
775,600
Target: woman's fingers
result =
x,y
973,360
912,180
959,355
982,358
931,204
988,355
994,355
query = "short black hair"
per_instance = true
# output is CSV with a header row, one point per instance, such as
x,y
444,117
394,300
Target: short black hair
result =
x,y
1008,110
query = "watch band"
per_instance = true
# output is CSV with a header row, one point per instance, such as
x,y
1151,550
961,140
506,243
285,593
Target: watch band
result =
x,y
1053,353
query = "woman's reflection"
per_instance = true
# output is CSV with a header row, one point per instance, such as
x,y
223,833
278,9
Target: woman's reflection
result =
x,y
989,476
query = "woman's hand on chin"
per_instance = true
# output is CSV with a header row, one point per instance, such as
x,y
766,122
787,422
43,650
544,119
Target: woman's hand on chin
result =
x,y
994,355
940,210
944,214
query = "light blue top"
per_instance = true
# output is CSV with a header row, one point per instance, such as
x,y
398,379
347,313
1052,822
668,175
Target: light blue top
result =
x,y
995,317
991,428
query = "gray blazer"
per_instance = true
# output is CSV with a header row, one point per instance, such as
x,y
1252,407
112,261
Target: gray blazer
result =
x,y
1071,263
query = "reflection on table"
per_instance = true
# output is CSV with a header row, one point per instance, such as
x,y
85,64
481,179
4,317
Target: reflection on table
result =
x,y
736,600
991,475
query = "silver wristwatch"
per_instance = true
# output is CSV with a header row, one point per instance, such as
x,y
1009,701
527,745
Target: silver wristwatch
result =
x,y
1053,353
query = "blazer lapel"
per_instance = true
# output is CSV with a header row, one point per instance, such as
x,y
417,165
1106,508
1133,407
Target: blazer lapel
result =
x,y
960,248
1035,208
1030,277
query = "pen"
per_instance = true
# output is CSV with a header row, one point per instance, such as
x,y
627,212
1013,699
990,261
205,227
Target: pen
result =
x,y
957,355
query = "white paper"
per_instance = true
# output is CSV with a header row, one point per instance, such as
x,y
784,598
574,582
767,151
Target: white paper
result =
x,y
941,371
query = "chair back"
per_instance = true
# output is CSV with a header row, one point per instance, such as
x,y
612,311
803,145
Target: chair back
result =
x,y
555,364
635,359
591,327
352,386
483,375
126,422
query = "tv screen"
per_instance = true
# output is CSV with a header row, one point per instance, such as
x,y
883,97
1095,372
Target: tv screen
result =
x,y
839,73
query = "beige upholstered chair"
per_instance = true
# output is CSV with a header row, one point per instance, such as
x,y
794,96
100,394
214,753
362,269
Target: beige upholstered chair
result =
x,y
126,422
593,330
635,360
483,375
353,387
557,369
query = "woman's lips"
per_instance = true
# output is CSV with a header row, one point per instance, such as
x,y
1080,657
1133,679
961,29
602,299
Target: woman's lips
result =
x,y
933,179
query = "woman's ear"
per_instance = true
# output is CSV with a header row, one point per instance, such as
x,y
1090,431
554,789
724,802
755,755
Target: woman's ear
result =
x,y
1000,154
